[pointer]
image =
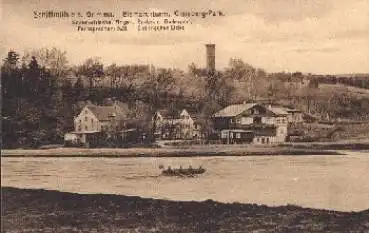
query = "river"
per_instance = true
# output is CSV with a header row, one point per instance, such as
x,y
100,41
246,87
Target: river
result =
x,y
326,182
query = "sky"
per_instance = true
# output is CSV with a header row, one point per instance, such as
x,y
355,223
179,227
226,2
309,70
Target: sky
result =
x,y
310,36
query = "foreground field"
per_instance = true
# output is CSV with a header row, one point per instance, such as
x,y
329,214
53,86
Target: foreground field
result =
x,y
51,211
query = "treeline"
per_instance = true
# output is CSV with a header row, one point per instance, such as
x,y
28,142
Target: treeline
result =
x,y
29,103
42,93
355,81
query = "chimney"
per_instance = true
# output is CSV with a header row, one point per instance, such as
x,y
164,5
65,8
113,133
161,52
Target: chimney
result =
x,y
210,58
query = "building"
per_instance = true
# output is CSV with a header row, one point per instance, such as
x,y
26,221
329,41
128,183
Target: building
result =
x,y
177,125
210,58
295,116
251,123
94,119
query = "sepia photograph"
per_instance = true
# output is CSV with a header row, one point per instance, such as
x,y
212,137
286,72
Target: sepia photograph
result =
x,y
184,116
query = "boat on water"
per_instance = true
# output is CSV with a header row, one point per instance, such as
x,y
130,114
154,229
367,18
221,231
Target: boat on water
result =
x,y
183,171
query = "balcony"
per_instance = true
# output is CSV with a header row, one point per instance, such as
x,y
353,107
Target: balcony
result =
x,y
257,129
251,126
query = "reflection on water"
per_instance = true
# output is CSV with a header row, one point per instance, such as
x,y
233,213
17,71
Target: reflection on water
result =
x,y
330,182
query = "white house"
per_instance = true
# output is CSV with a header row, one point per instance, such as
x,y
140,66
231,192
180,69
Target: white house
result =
x,y
176,125
251,123
93,119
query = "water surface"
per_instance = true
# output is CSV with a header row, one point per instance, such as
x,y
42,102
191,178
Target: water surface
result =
x,y
329,182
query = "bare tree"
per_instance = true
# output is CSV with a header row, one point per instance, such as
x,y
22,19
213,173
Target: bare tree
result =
x,y
52,59
93,69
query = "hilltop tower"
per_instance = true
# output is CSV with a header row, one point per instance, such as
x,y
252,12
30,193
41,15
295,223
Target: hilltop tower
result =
x,y
210,58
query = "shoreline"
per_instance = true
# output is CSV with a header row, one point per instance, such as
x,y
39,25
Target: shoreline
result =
x,y
197,151
35,210
287,149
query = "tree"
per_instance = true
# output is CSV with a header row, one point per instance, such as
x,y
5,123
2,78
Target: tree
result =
x,y
244,72
11,60
157,84
220,88
115,74
11,87
10,75
192,69
54,60
79,90
93,69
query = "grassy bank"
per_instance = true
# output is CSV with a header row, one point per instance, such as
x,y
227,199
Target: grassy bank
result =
x,y
202,150
51,211
331,145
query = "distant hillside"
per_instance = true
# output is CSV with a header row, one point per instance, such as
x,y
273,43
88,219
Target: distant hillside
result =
x,y
361,75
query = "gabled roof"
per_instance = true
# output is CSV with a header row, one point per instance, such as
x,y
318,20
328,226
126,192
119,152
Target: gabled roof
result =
x,y
105,113
278,110
233,110
292,110
237,109
166,113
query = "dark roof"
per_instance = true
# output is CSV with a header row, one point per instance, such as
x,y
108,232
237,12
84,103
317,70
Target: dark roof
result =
x,y
105,113
195,115
237,109
233,110
167,113
293,110
278,110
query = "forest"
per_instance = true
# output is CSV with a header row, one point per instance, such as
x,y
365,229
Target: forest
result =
x,y
42,92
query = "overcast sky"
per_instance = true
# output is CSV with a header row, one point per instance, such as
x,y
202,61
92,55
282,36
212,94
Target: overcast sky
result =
x,y
317,36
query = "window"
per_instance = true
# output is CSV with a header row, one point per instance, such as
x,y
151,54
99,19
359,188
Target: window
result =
x,y
263,140
238,135
79,128
86,127
267,140
257,120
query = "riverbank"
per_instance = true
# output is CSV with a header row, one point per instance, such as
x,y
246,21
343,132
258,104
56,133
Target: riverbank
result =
x,y
27,210
191,151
